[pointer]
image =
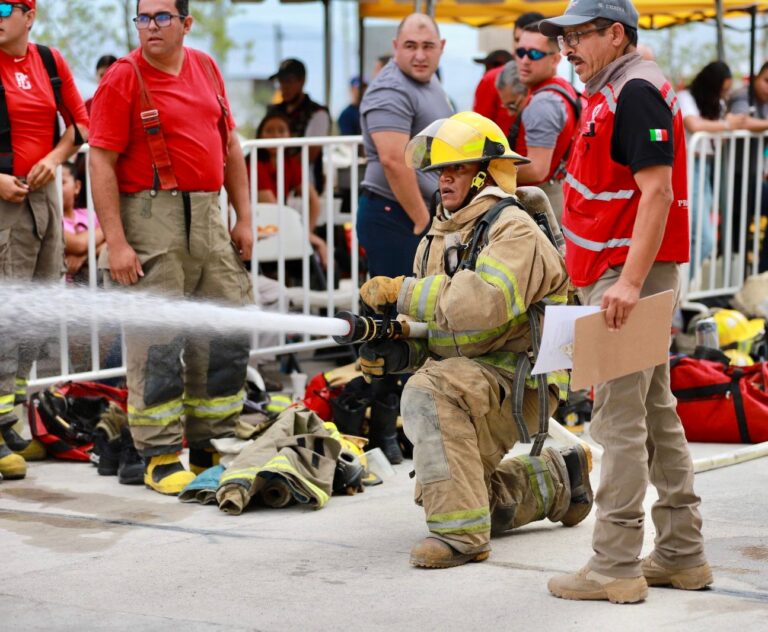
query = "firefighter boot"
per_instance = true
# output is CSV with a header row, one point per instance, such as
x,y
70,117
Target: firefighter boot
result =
x,y
200,459
165,474
578,462
28,449
592,586
434,553
130,469
12,465
107,453
348,413
383,427
694,578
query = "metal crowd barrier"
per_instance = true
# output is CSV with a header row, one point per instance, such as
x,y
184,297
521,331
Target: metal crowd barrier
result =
x,y
340,162
725,192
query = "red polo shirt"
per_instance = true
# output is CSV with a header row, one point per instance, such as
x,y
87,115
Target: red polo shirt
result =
x,y
488,103
32,105
189,116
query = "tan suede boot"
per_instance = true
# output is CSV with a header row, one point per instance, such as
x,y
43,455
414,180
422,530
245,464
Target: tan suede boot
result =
x,y
434,553
694,578
589,585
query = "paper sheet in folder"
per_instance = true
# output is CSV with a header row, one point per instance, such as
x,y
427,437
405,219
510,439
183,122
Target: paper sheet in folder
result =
x,y
600,355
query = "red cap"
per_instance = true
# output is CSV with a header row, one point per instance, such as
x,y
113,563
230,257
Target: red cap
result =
x,y
30,3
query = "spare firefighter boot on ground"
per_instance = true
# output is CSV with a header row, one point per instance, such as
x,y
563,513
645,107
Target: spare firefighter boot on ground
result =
x,y
434,553
694,578
592,586
107,453
383,427
166,474
348,413
28,449
130,470
200,459
12,465
578,463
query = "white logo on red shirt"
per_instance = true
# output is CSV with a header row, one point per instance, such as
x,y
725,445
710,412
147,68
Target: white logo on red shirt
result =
x,y
22,80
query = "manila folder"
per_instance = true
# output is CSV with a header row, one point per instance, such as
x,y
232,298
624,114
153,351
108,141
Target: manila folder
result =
x,y
600,355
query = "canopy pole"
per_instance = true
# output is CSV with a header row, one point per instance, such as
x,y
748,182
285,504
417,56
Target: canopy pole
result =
x,y
328,52
720,33
752,52
360,45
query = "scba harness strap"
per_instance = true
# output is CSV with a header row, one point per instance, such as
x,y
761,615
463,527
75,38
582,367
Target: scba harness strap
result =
x,y
164,178
6,145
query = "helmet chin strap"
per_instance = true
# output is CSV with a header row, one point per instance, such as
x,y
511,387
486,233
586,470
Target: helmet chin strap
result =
x,y
478,182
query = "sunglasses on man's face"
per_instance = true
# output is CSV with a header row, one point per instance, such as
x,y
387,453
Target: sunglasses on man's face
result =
x,y
534,54
6,8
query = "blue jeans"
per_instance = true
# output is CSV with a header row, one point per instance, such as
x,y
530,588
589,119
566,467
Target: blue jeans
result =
x,y
707,228
386,232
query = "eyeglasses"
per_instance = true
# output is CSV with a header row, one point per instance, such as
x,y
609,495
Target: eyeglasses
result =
x,y
534,54
6,8
573,38
162,20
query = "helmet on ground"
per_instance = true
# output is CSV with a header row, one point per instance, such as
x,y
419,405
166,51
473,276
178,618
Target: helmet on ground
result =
x,y
466,137
739,358
734,329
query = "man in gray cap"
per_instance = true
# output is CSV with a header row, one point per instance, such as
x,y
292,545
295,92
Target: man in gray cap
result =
x,y
626,228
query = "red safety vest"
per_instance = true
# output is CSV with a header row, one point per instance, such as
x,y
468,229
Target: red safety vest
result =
x,y
565,139
601,196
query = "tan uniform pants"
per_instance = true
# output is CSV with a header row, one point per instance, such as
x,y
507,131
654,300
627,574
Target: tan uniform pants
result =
x,y
31,249
185,251
636,422
458,415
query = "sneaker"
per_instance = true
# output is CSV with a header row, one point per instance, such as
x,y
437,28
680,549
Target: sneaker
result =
x,y
694,578
434,553
200,459
578,463
165,474
107,453
12,465
28,449
590,585
130,470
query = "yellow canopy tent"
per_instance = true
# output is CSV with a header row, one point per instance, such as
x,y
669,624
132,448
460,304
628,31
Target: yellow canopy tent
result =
x,y
654,13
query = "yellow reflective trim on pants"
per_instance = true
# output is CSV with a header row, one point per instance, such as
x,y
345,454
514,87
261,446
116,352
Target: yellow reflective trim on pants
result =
x,y
465,521
502,277
162,415
21,386
541,483
278,403
282,464
247,473
6,403
507,361
215,408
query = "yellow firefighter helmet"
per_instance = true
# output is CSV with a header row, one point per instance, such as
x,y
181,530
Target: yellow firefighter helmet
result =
x,y
734,328
465,137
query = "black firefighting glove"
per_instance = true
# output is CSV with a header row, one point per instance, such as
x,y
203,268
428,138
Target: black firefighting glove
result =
x,y
382,357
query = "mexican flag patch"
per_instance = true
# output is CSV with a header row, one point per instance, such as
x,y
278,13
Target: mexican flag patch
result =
x,y
659,134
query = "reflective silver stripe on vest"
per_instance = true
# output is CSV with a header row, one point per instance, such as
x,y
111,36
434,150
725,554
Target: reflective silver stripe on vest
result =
x,y
603,196
610,100
595,246
671,99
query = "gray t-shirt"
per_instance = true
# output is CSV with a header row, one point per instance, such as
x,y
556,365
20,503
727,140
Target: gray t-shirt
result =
x,y
544,118
739,104
396,103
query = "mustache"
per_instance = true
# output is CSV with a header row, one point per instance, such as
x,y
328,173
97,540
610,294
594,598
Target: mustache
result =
x,y
573,59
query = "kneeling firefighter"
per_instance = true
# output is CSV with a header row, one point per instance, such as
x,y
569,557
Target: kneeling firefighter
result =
x,y
482,275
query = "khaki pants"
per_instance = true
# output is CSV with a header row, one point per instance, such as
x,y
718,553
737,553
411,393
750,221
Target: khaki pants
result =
x,y
31,249
185,251
458,415
636,422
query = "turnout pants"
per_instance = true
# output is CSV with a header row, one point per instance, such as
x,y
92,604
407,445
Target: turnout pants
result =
x,y
636,422
458,415
185,251
31,249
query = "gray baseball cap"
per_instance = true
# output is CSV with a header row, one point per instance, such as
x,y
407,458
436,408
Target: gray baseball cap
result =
x,y
583,11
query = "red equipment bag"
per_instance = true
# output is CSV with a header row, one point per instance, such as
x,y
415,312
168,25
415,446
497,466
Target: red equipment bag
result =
x,y
64,416
720,403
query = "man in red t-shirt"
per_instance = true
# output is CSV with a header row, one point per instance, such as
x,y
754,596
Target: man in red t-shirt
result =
x,y
155,186
31,243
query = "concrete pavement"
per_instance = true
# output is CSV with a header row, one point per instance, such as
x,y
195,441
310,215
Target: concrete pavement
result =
x,y
81,551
